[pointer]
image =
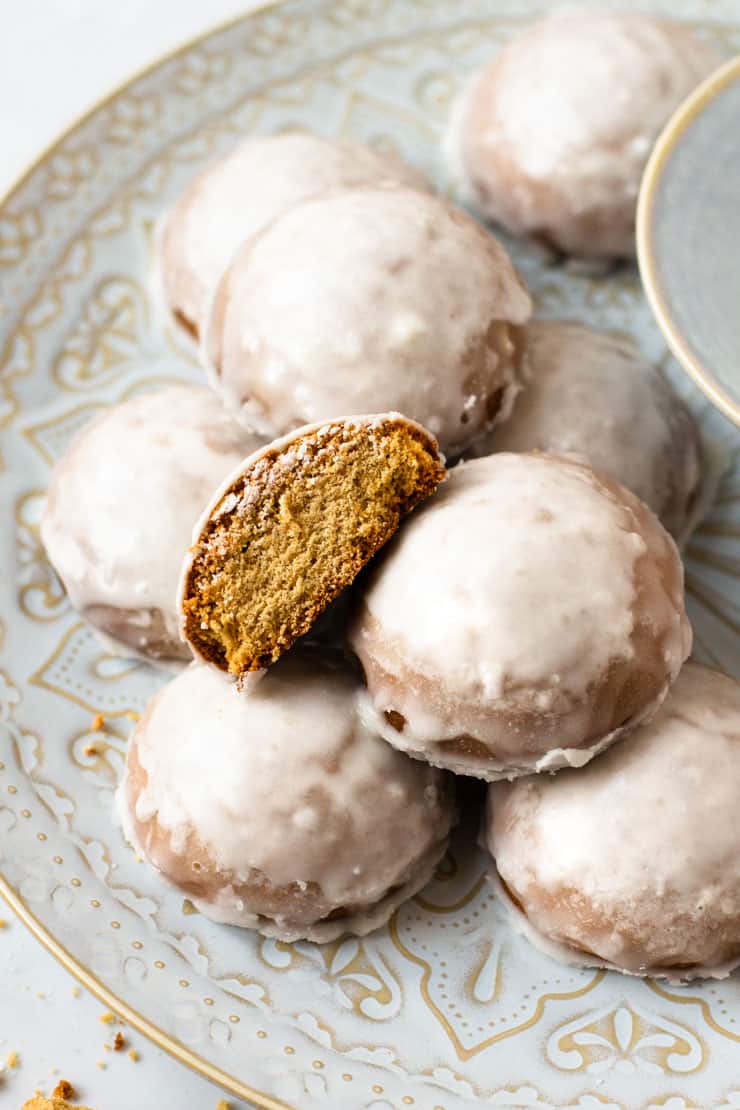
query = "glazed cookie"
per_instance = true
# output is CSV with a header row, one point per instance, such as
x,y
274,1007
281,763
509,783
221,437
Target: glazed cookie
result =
x,y
560,157
275,808
632,863
292,527
524,619
367,299
592,393
242,193
121,506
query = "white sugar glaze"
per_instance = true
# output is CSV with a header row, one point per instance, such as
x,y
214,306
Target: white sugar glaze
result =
x,y
284,779
242,193
517,588
562,155
123,499
646,836
394,300
592,393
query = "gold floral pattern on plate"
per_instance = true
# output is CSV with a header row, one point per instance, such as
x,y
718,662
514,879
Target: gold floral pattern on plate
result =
x,y
627,1039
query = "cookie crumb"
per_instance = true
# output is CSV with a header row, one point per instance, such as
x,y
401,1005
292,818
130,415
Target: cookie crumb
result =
x,y
39,1102
76,992
90,749
101,1064
133,1055
222,1104
12,1060
3,923
119,1042
108,1018
97,722
63,1089
133,715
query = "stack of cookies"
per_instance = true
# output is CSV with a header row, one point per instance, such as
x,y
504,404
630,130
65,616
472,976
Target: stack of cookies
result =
x,y
407,533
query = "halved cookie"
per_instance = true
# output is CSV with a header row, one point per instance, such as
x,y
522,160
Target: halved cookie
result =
x,y
292,527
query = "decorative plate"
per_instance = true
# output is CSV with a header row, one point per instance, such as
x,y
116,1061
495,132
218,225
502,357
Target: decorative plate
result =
x,y
446,1007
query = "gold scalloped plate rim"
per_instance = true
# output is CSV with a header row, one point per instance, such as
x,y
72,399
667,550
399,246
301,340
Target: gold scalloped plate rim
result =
x,y
83,974
671,135
684,116
131,1016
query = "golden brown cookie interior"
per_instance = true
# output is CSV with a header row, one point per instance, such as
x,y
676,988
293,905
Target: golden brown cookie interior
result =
x,y
294,528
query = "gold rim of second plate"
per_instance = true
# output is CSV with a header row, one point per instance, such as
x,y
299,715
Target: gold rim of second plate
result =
x,y
699,100
82,973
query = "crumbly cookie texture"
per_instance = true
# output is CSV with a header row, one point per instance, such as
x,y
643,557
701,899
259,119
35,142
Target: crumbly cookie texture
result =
x,y
38,1102
293,527
63,1089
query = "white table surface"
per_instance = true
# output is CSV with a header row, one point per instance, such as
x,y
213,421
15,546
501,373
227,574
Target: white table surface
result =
x,y
58,57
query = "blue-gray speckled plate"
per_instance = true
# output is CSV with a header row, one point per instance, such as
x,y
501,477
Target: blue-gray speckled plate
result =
x,y
446,1007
